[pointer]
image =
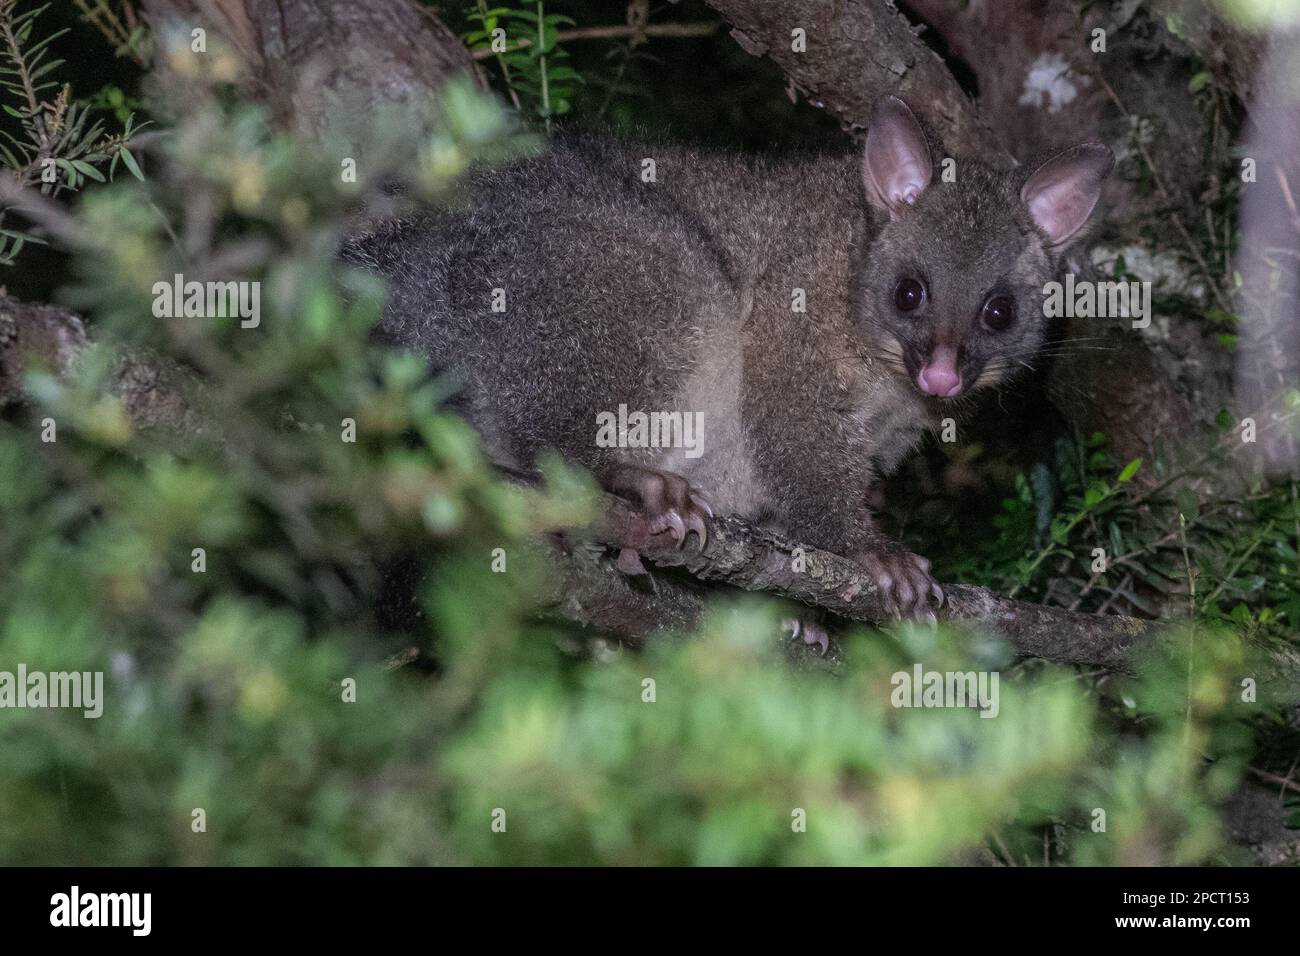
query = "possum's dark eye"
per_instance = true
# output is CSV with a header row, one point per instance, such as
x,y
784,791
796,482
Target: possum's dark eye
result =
x,y
908,295
999,312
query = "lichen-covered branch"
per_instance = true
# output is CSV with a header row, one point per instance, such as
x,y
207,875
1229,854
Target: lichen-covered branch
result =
x,y
743,555
590,591
851,53
309,59
34,335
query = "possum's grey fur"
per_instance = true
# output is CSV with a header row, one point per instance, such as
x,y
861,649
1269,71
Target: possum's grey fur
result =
x,y
677,295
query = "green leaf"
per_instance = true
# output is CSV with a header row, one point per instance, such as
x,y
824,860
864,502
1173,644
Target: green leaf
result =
x,y
1130,470
68,168
88,170
45,68
129,161
560,73
1096,493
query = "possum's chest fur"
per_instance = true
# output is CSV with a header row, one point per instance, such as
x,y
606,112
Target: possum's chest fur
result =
x,y
877,420
725,470
891,420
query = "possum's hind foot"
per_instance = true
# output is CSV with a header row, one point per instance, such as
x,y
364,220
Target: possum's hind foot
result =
x,y
668,500
810,629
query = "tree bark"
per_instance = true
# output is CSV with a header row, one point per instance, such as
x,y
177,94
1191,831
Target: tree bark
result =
x,y
746,556
35,336
857,51
307,59
591,592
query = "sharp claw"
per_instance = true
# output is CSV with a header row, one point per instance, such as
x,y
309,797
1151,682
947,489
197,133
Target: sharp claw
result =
x,y
922,588
695,523
937,592
671,522
813,634
702,503
794,624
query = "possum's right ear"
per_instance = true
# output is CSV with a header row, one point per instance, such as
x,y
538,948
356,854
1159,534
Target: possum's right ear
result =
x,y
1062,192
896,166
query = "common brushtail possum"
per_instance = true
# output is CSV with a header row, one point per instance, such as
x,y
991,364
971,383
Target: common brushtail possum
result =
x,y
816,317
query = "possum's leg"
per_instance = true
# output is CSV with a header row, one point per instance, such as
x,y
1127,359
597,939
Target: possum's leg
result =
x,y
668,500
825,504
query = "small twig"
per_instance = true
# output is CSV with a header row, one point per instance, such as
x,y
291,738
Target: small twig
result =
x,y
1191,617
501,60
1006,854
546,86
1119,591
116,32
616,32
1283,182
1286,783
1239,562
406,655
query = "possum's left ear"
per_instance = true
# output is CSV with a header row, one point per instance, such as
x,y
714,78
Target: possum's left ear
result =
x,y
1062,192
896,165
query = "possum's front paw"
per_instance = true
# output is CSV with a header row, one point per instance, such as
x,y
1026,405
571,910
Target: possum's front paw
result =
x,y
668,500
906,587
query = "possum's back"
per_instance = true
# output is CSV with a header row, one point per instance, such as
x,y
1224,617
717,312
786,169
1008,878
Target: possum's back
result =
x,y
600,281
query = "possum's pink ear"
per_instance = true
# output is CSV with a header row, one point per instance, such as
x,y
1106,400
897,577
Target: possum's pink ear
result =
x,y
896,165
1062,192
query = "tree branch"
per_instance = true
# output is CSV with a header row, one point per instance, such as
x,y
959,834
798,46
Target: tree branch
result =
x,y
857,51
309,59
590,591
615,32
743,555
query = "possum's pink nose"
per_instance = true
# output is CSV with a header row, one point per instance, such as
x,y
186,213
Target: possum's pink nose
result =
x,y
940,377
